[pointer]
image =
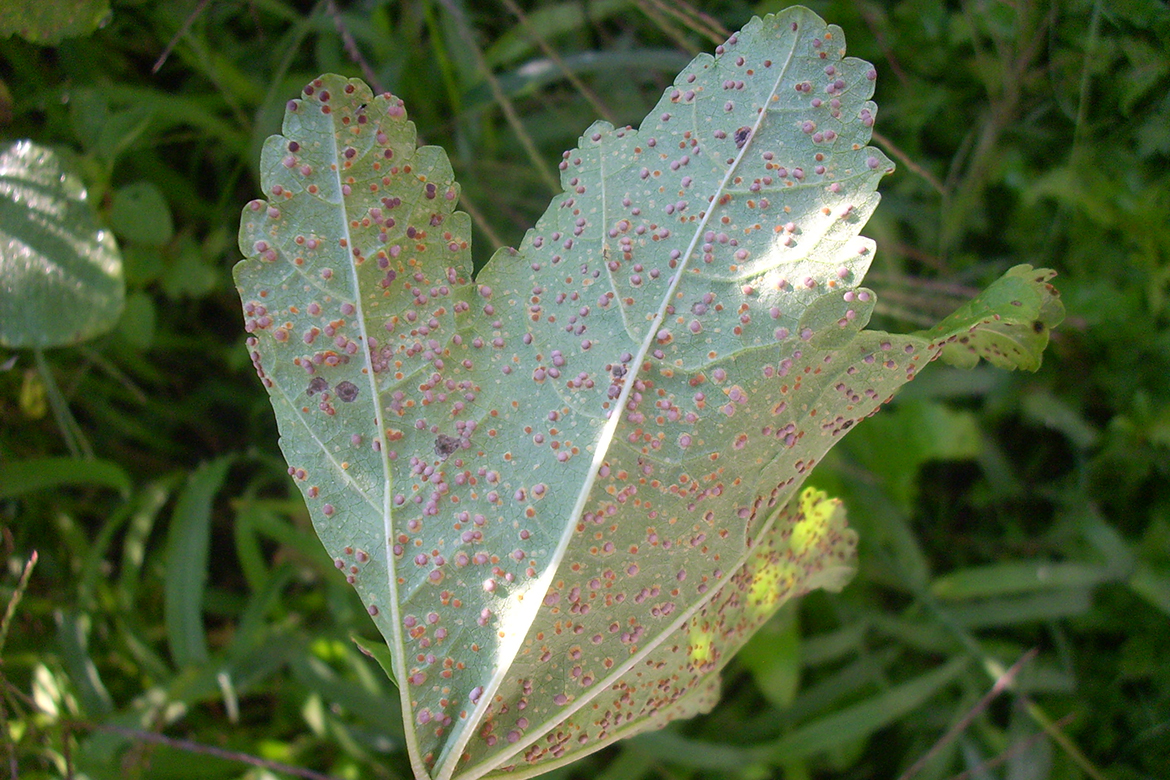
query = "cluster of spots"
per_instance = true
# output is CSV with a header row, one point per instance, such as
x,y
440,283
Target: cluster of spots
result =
x,y
678,334
715,359
626,582
1010,336
808,546
354,326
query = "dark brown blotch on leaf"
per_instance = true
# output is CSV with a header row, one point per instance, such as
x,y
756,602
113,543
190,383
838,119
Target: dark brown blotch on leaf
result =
x,y
347,391
445,445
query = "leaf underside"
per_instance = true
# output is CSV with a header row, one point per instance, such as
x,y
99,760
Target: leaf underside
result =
x,y
567,491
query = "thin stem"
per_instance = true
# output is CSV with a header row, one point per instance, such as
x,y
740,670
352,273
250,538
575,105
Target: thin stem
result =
x,y
207,750
75,440
504,102
553,55
695,21
1083,96
191,17
17,595
905,159
652,13
480,220
1059,737
351,47
1016,749
1002,683
115,373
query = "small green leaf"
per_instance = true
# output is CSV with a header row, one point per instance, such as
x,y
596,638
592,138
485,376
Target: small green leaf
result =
x,y
189,275
108,131
1007,325
925,431
140,213
772,656
60,274
380,653
48,22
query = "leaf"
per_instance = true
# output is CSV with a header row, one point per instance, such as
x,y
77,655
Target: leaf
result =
x,y
47,22
140,213
568,491
60,274
925,431
1007,325
1014,577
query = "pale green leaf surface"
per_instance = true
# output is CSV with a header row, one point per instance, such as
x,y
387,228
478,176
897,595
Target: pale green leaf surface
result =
x,y
557,487
60,274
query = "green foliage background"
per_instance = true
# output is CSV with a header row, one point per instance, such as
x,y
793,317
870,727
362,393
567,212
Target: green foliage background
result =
x,y
179,589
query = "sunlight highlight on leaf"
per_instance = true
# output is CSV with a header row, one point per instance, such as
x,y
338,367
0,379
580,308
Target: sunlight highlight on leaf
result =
x,y
568,490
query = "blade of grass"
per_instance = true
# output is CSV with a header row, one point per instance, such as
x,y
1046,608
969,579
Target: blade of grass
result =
x,y
823,734
79,446
555,56
20,477
188,547
150,501
73,639
866,717
1025,609
542,166
1002,683
1015,577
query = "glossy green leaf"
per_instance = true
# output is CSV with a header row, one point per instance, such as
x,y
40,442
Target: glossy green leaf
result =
x,y
48,22
60,274
569,490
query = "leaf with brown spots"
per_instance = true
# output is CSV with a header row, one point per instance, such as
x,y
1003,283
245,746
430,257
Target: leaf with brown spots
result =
x,y
568,490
